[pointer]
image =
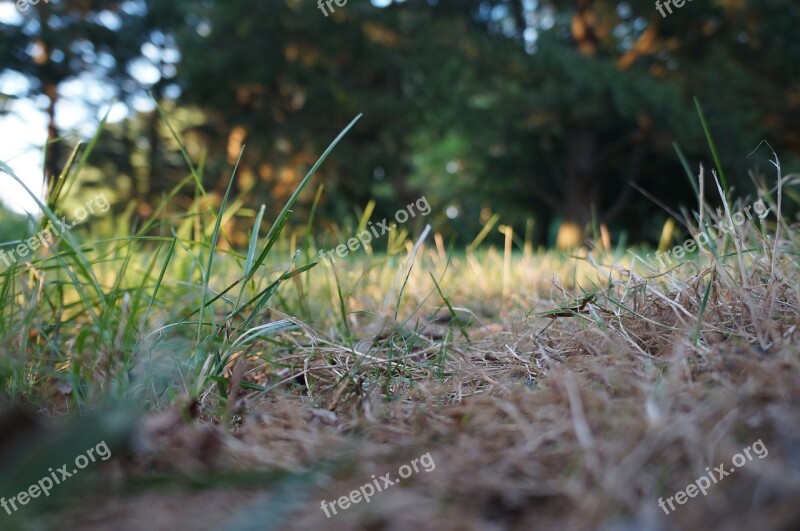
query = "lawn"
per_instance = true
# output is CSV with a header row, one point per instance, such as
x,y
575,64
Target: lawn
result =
x,y
198,385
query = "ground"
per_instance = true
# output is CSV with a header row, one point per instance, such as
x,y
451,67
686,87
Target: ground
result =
x,y
498,390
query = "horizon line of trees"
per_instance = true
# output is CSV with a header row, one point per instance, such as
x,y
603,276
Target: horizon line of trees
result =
x,y
534,109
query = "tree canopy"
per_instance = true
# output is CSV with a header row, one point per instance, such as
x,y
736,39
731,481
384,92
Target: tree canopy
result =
x,y
537,109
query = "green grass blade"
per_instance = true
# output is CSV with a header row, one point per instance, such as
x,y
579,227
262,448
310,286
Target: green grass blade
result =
x,y
277,227
450,309
702,311
283,217
198,180
214,240
251,250
161,274
711,145
686,168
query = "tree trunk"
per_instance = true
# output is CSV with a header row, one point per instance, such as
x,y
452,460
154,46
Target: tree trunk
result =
x,y
581,192
52,160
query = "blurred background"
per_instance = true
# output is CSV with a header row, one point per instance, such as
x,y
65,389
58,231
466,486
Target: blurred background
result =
x,y
541,111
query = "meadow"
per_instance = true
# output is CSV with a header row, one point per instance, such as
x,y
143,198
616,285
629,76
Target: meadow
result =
x,y
241,388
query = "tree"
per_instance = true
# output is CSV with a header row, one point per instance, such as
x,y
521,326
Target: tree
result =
x,y
99,40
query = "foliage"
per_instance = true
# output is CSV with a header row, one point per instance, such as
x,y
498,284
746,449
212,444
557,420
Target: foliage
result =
x,y
544,110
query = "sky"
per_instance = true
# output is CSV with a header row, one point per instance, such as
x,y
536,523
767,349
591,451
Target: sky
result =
x,y
20,134
23,131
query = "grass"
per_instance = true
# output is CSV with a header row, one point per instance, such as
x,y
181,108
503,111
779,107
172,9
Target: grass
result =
x,y
553,391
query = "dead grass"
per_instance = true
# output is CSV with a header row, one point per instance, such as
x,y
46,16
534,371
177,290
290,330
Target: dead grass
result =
x,y
583,426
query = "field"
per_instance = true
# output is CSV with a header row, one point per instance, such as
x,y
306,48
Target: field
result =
x,y
499,388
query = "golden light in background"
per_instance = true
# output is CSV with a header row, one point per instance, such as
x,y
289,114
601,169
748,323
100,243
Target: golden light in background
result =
x,y
667,232
235,142
569,236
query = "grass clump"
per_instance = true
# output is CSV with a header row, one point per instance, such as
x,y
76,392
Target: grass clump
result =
x,y
552,391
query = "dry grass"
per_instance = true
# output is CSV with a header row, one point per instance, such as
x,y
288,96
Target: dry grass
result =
x,y
582,424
